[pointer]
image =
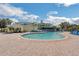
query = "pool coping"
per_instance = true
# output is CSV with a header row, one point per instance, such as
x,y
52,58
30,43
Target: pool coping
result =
x,y
65,37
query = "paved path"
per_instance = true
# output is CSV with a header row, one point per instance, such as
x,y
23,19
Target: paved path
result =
x,y
13,45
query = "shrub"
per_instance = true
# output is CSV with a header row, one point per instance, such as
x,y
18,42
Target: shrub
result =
x,y
34,31
2,29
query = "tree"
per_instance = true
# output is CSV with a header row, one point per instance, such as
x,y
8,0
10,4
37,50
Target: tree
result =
x,y
8,21
5,22
64,25
2,23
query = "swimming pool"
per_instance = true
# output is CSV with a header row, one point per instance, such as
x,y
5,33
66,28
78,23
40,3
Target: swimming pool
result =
x,y
44,36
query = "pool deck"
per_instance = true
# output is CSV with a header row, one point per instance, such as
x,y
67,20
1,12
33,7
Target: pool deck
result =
x,y
14,45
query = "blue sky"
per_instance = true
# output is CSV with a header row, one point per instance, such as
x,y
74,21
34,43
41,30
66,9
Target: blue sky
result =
x,y
42,9
37,8
50,12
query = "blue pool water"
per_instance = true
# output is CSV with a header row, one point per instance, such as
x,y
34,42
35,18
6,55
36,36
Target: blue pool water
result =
x,y
44,36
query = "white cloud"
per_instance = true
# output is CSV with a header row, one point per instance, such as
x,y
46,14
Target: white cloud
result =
x,y
52,13
67,3
75,20
30,18
55,20
9,10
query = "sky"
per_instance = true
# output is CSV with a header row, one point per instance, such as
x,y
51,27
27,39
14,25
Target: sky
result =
x,y
53,13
